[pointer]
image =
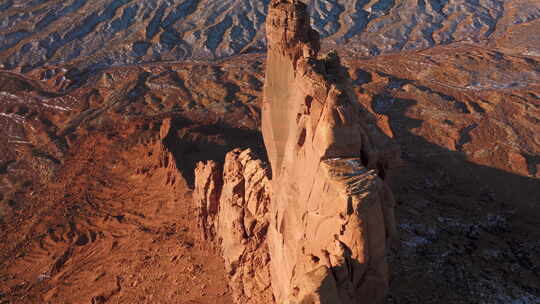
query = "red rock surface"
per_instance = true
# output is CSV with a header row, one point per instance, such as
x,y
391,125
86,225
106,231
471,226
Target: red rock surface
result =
x,y
240,192
322,233
465,116
114,219
332,217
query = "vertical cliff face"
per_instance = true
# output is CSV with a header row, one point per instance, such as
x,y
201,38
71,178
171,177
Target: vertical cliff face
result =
x,y
233,201
322,233
331,214
289,36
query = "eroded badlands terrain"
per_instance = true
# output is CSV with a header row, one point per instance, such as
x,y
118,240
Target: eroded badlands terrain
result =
x,y
97,161
92,34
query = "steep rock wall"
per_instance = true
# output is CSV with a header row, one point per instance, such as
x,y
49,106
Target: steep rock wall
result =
x,y
331,214
319,230
233,201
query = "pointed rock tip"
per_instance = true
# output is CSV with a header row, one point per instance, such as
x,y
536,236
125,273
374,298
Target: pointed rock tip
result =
x,y
288,28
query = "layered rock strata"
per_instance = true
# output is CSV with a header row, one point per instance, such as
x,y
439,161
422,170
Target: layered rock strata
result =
x,y
326,225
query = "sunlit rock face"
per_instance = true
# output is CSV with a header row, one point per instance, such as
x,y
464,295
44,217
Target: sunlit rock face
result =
x,y
233,200
331,216
464,112
319,230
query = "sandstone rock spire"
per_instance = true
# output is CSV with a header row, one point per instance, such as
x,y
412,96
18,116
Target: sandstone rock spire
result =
x,y
331,214
317,231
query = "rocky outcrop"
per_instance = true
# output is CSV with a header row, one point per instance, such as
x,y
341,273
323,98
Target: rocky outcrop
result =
x,y
321,235
233,203
208,183
331,214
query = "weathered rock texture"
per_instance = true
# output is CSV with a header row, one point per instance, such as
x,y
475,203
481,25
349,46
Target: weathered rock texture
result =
x,y
466,117
323,236
233,201
208,182
332,216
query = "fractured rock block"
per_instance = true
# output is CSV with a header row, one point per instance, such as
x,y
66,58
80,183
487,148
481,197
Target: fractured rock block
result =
x,y
238,219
